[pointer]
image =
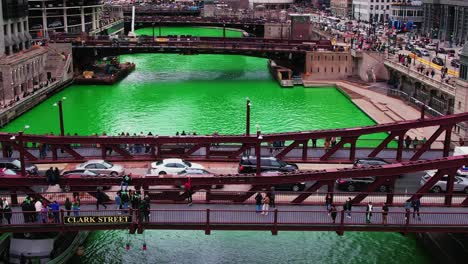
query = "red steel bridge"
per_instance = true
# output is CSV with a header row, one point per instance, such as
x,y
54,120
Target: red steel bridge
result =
x,y
297,145
445,212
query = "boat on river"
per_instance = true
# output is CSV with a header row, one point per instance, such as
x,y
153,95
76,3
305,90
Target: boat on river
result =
x,y
44,248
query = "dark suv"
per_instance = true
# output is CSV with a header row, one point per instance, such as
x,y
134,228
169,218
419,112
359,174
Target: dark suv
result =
x,y
249,165
358,184
15,165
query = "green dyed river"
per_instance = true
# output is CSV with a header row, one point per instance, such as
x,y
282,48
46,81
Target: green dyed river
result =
x,y
206,93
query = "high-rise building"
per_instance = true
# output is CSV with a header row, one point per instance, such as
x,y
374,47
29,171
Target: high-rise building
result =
x,y
70,16
341,8
21,66
372,11
446,20
407,14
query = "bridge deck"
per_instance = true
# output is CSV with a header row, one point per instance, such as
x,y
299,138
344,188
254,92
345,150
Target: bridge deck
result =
x,y
243,217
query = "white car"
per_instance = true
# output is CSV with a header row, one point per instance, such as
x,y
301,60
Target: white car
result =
x,y
172,166
425,53
460,184
102,167
431,47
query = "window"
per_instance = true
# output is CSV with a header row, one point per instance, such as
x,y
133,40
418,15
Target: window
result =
x,y
339,69
90,166
318,58
346,69
318,69
332,57
325,69
339,58
459,105
332,69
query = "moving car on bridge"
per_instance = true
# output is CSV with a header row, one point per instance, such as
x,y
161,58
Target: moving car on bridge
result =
x,y
172,166
460,183
102,167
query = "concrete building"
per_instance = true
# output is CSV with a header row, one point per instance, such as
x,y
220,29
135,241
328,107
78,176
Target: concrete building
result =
x,y
329,65
446,20
271,4
277,30
21,66
372,11
461,90
407,14
46,16
341,8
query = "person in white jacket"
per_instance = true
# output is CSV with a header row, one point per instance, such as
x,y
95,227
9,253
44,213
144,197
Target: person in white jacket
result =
x,y
38,206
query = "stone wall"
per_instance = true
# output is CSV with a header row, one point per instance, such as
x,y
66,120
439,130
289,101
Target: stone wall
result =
x,y
328,65
370,62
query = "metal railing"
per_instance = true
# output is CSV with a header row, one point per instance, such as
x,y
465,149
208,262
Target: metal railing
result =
x,y
212,219
203,196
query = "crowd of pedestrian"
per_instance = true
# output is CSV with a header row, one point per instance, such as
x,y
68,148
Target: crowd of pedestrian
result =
x,y
414,204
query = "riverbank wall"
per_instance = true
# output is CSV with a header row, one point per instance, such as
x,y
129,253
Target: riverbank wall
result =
x,y
26,104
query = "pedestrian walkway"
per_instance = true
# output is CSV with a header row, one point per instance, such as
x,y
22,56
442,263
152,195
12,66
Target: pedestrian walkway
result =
x,y
384,109
238,217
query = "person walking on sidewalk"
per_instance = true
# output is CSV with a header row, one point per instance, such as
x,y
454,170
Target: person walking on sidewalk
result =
x,y
271,195
384,213
266,205
188,191
333,212
347,207
328,202
258,202
407,209
100,197
416,204
368,212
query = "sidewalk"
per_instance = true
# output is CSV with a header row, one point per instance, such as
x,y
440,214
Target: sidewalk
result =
x,y
383,109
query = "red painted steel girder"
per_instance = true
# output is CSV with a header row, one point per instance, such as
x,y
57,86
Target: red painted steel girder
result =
x,y
300,135
300,176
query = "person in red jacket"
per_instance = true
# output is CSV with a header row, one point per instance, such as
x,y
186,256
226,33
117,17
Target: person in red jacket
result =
x,y
189,191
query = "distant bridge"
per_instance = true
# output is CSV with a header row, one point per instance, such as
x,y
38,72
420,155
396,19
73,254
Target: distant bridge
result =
x,y
189,45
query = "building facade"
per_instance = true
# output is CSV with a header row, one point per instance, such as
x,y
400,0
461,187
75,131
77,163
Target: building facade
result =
x,y
446,20
407,14
372,11
341,8
21,65
47,16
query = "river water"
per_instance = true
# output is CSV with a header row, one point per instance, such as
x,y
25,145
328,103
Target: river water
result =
x,y
206,93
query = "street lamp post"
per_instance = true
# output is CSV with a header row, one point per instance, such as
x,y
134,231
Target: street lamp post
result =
x,y
247,117
59,104
258,150
153,30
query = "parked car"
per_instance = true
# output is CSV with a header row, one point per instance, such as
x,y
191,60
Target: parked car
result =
x,y
249,165
455,63
438,61
366,162
15,165
425,53
460,184
417,52
102,167
431,47
358,184
172,166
